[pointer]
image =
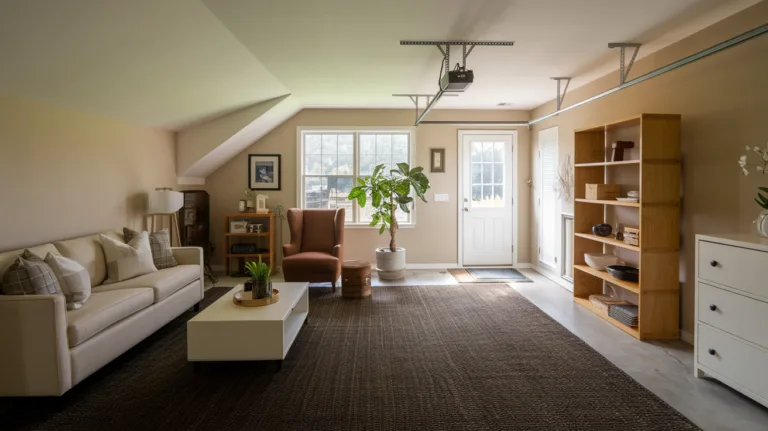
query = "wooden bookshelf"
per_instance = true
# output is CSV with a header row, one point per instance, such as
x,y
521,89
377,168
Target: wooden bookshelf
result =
x,y
263,240
653,169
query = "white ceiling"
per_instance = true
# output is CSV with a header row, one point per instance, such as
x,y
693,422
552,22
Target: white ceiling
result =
x,y
346,52
171,63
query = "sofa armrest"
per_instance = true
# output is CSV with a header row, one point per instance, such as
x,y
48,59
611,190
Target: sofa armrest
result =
x,y
34,359
338,252
290,249
188,255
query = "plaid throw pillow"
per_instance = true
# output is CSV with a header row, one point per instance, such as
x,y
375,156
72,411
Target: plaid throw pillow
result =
x,y
29,275
162,256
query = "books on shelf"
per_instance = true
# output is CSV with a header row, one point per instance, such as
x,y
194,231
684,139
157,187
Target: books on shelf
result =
x,y
631,236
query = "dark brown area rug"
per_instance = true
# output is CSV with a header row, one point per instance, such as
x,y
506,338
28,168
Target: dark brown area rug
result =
x,y
470,357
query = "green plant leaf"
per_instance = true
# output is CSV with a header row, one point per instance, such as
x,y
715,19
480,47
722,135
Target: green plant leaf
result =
x,y
416,170
376,200
403,188
765,189
405,207
403,168
382,229
404,199
361,199
762,200
377,169
764,206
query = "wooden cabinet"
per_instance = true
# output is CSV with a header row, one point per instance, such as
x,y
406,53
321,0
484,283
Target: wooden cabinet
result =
x,y
262,243
651,167
732,312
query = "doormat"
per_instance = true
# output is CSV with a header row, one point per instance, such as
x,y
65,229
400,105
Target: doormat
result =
x,y
488,275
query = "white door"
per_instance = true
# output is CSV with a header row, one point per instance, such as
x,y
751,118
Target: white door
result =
x,y
549,213
487,199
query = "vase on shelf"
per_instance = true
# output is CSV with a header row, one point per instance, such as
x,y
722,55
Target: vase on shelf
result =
x,y
762,223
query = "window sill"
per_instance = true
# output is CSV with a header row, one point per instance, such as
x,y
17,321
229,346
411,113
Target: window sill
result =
x,y
366,226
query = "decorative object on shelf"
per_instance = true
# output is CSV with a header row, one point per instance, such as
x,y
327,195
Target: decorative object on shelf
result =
x,y
238,226
564,186
599,261
604,302
628,199
602,192
623,272
242,206
388,192
626,314
761,199
618,147
437,160
261,204
633,194
264,171
259,272
249,200
239,247
165,202
602,229
631,236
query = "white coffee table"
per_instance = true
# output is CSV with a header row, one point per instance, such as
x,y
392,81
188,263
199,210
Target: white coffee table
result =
x,y
228,332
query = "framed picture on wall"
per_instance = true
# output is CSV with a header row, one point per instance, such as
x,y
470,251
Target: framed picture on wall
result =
x,y
264,171
437,159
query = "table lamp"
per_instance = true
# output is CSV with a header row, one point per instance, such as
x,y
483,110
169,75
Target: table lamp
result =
x,y
165,202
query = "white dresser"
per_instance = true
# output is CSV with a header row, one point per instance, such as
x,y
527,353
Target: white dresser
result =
x,y
731,341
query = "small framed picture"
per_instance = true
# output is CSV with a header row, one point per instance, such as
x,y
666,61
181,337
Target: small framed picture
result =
x,y
264,171
437,159
238,226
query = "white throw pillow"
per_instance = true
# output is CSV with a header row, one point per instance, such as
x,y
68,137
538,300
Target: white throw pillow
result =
x,y
127,260
73,278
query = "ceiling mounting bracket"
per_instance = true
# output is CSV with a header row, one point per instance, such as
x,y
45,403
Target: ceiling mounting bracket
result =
x,y
624,73
416,96
561,95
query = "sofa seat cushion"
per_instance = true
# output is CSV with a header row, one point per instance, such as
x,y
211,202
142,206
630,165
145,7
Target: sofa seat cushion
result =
x,y
104,309
311,262
164,282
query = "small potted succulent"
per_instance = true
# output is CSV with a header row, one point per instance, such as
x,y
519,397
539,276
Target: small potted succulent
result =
x,y
259,272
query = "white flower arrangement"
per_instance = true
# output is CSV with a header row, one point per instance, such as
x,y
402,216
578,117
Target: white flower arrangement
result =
x,y
763,169
762,194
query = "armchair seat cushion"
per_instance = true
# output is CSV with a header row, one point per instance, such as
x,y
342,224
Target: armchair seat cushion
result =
x,y
311,262
164,282
104,309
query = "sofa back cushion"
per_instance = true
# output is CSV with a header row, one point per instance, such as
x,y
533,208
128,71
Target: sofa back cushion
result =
x,y
7,258
86,251
319,232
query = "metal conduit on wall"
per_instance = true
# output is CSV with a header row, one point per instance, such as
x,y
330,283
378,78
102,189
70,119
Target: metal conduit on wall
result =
x,y
652,74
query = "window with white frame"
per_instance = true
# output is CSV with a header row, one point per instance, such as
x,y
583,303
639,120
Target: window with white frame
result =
x,y
331,161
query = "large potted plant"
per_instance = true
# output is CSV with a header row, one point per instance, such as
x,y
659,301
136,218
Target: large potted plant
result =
x,y
388,192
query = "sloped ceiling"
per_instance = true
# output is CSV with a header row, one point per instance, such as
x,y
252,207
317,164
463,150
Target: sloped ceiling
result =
x,y
200,65
165,63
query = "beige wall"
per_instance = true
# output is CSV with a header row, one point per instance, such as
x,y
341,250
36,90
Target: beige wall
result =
x,y
723,100
435,237
65,173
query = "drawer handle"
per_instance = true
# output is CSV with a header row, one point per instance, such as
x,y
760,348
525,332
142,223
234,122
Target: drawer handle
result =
x,y
712,352
713,307
713,263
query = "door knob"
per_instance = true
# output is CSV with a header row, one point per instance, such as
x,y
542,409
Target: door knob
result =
x,y
713,307
466,209
713,263
712,352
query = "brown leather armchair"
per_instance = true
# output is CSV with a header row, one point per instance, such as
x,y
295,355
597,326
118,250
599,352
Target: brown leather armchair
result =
x,y
315,253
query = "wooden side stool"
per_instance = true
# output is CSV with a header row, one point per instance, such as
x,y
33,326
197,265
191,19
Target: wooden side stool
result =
x,y
355,279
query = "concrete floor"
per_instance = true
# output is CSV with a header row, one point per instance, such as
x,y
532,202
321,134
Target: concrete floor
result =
x,y
665,368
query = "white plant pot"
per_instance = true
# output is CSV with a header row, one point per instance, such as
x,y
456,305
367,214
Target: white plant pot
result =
x,y
389,264
762,223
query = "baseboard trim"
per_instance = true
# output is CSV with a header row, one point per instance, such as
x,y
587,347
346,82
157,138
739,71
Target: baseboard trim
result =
x,y
430,265
687,337
554,278
523,266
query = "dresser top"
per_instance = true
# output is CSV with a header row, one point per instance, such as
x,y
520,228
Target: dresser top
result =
x,y
738,240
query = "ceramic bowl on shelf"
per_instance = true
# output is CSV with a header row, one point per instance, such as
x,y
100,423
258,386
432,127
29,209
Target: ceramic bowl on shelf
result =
x,y
599,261
633,194
603,230
633,200
622,272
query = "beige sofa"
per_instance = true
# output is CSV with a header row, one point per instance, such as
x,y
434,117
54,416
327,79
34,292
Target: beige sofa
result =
x,y
47,349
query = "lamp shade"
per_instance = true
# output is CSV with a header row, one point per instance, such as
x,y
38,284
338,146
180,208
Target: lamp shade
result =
x,y
164,201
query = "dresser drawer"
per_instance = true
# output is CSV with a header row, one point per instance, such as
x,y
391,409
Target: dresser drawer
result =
x,y
739,315
736,267
739,362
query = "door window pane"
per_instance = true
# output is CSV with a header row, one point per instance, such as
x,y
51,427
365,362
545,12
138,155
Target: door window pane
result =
x,y
313,164
476,150
329,144
498,152
488,152
498,173
312,144
477,173
487,173
329,164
